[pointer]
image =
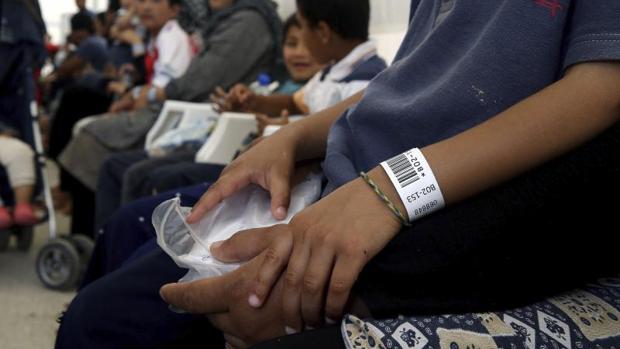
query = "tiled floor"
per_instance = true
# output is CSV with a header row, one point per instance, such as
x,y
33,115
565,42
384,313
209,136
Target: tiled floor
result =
x,y
28,310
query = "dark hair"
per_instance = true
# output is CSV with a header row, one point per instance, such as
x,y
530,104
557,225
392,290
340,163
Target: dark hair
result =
x,y
102,17
82,21
175,2
348,18
114,5
288,24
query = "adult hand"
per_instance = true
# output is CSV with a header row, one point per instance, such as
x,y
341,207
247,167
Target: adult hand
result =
x,y
332,241
224,299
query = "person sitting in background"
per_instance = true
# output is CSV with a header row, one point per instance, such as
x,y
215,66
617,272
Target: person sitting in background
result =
x,y
241,39
300,64
166,57
90,56
342,45
351,63
125,18
128,176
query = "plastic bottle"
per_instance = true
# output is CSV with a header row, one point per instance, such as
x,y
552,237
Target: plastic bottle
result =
x,y
263,85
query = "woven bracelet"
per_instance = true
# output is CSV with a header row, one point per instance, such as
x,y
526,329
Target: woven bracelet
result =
x,y
385,199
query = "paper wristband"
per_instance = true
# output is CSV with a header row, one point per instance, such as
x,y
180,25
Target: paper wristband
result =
x,y
415,183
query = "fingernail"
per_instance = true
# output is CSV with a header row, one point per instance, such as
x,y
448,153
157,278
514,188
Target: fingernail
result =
x,y
330,321
254,301
281,213
290,330
161,293
216,245
176,310
309,328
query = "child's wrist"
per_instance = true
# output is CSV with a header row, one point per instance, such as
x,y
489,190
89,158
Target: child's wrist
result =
x,y
256,102
293,136
302,141
413,180
382,180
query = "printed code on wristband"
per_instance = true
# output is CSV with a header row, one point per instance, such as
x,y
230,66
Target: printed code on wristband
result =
x,y
415,183
403,170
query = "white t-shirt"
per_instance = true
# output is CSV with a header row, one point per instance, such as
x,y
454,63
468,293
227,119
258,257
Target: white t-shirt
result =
x,y
330,86
174,53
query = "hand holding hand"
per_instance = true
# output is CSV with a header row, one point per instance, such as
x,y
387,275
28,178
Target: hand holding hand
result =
x,y
332,241
224,299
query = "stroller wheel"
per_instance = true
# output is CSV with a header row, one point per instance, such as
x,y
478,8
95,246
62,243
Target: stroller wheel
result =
x,y
5,239
84,246
24,237
58,265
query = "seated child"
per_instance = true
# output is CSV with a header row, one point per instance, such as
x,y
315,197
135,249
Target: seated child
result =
x,y
300,66
350,60
167,55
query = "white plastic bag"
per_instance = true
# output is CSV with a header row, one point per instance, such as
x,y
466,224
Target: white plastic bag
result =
x,y
189,245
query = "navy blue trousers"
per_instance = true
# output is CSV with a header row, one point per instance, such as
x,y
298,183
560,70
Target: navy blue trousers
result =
x,y
129,229
124,310
113,322
132,175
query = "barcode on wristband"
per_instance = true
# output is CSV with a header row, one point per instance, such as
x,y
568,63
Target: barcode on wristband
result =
x,y
403,170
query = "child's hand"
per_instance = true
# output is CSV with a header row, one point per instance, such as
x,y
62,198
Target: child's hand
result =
x,y
264,121
142,101
332,241
130,37
238,98
117,87
270,164
126,103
